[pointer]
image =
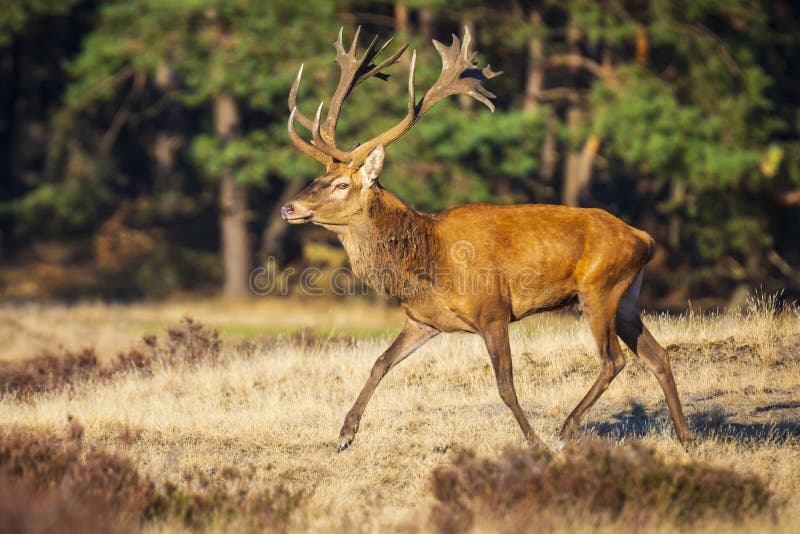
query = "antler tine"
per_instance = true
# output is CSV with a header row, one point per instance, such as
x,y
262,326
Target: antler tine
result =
x,y
305,147
348,65
305,121
388,62
315,137
322,144
354,44
338,42
354,70
412,99
468,56
360,153
459,75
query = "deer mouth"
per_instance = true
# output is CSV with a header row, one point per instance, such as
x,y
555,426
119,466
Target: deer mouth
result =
x,y
299,219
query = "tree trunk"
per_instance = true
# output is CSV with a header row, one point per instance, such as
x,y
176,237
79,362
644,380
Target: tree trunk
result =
x,y
578,163
642,46
426,20
233,208
534,79
534,83
548,155
402,27
170,137
677,198
401,20
573,183
272,240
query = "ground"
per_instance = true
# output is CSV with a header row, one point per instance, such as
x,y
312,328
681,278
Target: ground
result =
x,y
269,407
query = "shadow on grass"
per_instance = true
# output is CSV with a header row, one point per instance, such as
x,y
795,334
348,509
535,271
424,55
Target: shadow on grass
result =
x,y
636,422
715,423
777,406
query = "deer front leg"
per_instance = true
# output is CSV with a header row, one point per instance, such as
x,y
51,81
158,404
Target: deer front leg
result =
x,y
413,336
496,337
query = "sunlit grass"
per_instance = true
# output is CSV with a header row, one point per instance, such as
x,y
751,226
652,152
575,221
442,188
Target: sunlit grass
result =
x,y
273,406
26,330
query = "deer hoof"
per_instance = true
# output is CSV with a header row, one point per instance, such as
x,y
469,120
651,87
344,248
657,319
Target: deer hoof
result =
x,y
344,444
688,441
568,430
559,446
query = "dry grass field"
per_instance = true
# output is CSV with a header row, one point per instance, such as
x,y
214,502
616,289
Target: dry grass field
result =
x,y
190,431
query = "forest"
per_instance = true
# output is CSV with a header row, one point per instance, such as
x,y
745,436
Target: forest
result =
x,y
144,151
166,363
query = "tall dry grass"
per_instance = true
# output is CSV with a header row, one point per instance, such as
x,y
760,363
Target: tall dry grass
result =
x,y
264,413
26,330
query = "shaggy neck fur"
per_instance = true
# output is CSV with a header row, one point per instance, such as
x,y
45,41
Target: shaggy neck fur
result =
x,y
393,247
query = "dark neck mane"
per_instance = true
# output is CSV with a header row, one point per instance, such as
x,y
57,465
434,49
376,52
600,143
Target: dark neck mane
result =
x,y
393,248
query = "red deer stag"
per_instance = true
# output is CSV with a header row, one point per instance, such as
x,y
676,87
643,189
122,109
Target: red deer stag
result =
x,y
473,268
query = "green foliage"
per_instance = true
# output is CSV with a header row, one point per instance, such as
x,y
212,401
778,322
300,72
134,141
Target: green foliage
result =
x,y
692,102
64,206
15,14
644,122
428,168
602,22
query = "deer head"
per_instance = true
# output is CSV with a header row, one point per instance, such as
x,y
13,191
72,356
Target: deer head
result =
x,y
342,194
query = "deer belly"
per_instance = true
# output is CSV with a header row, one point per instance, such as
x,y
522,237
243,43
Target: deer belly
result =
x,y
442,314
525,302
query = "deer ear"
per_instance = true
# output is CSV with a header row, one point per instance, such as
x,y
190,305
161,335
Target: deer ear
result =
x,y
372,166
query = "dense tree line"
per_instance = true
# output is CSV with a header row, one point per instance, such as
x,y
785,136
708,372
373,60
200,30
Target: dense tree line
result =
x,y
143,147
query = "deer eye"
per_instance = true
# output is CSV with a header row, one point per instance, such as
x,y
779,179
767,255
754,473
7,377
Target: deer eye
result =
x,y
342,185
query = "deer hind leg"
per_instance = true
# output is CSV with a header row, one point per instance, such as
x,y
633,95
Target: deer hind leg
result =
x,y
495,336
636,336
413,336
600,310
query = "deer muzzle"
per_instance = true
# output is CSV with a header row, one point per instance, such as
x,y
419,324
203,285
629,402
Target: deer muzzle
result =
x,y
295,213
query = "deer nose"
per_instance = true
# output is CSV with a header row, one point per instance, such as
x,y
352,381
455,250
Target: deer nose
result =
x,y
287,210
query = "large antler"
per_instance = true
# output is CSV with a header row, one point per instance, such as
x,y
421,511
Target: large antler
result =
x,y
459,75
354,70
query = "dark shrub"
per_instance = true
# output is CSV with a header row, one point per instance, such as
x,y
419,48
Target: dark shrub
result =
x,y
47,371
188,343
54,485
597,478
69,482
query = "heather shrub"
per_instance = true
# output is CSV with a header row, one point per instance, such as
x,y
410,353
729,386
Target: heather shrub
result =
x,y
81,486
47,371
188,343
26,510
49,484
632,483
